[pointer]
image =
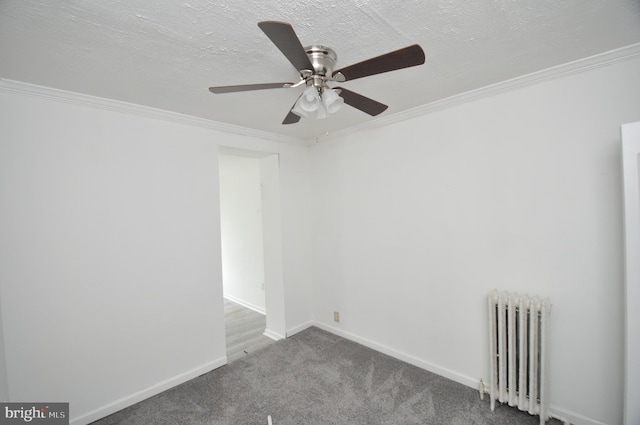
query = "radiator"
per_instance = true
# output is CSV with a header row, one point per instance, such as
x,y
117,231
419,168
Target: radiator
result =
x,y
518,343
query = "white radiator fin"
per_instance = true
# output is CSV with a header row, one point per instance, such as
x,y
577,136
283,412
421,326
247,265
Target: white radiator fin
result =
x,y
517,339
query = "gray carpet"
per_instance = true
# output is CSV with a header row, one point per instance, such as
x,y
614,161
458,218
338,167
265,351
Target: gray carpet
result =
x,y
318,378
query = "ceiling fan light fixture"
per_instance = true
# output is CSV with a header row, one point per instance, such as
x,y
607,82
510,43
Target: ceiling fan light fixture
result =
x,y
317,104
321,113
308,103
332,101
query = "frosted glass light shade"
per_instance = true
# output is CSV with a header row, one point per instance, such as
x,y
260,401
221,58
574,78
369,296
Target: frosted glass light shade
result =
x,y
332,101
312,104
308,103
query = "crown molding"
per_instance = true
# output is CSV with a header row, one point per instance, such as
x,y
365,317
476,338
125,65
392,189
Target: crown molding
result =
x,y
27,89
581,65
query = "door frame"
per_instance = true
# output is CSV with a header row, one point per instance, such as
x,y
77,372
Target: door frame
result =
x,y
631,181
272,237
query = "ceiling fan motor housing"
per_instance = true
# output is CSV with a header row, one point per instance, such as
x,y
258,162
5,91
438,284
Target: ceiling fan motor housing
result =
x,y
323,60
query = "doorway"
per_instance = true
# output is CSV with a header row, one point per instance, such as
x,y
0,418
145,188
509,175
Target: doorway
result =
x,y
251,250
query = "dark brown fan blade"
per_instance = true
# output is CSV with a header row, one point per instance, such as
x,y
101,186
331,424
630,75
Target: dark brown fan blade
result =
x,y
292,118
285,39
398,59
361,102
247,87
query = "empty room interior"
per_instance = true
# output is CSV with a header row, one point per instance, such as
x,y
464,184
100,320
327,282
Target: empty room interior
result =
x,y
158,158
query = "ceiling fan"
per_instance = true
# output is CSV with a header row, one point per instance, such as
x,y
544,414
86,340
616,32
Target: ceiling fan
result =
x,y
315,65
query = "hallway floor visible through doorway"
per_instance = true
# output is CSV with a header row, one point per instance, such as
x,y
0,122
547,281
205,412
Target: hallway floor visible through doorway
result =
x,y
244,329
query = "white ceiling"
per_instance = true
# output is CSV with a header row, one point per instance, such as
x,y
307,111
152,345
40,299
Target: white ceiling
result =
x,y
166,53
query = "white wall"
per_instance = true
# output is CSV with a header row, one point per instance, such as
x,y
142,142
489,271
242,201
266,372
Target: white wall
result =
x,y
110,269
416,222
241,227
110,253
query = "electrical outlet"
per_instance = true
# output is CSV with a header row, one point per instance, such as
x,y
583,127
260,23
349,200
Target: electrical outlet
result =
x,y
336,316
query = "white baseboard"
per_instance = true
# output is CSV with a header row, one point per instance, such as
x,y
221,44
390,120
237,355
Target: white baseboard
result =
x,y
573,418
246,304
137,397
300,328
273,335
431,367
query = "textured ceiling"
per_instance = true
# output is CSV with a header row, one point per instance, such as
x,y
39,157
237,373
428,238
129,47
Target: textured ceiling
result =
x,y
166,53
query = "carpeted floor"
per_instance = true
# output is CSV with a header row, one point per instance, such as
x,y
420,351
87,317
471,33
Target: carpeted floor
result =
x,y
318,378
